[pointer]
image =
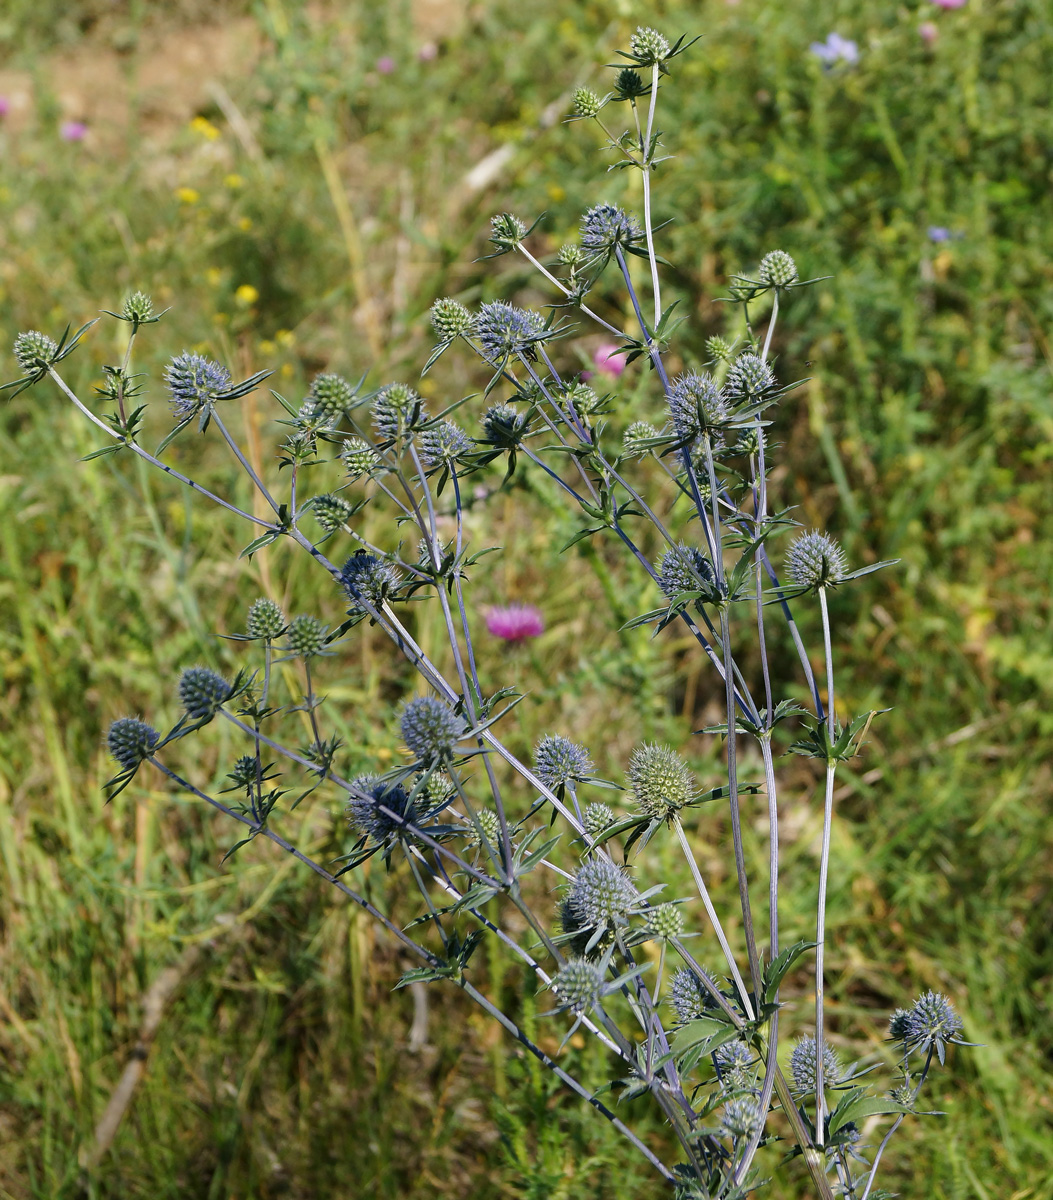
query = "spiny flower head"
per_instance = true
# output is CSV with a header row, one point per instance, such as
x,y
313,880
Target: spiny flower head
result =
x,y
557,760
266,620
815,560
331,511
244,773
601,894
634,442
899,1024
931,1023
138,308
648,46
359,457
748,379
629,85
596,817
583,399
306,636
331,395
690,999
507,231
683,568
666,921
586,103
741,1118
578,984
369,792
490,823
194,382
718,348
660,780
735,1063
505,330
696,404
605,227
450,319
571,254
130,741
802,1066
443,443
33,348
430,728
777,269
396,410
503,426
202,692
368,578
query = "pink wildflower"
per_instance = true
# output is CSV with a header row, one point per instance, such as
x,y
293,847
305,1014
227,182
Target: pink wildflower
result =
x,y
515,622
385,65
949,3
427,52
928,32
607,360
5,106
72,131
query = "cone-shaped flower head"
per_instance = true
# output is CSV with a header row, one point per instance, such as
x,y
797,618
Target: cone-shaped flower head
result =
x,y
578,984
666,921
138,308
648,46
331,395
683,569
359,457
749,379
505,330
696,404
430,728
601,894
194,381
396,409
202,692
306,636
503,426
596,817
815,560
443,443
777,269
690,999
266,620
490,823
741,1118
736,1065
605,227
450,319
660,780
32,348
369,579
331,511
931,1023
363,809
586,103
802,1066
557,760
638,434
130,741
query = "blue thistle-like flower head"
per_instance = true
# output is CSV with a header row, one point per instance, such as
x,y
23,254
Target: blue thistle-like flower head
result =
x,y
696,404
368,578
331,395
363,809
601,895
578,984
777,269
816,560
734,1061
194,382
130,741
683,568
443,443
397,409
430,728
802,1066
306,636
202,692
689,998
450,319
503,426
606,227
932,1023
749,379
557,760
740,1118
505,330
660,780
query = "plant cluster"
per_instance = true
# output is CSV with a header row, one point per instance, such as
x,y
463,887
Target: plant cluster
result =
x,y
703,1042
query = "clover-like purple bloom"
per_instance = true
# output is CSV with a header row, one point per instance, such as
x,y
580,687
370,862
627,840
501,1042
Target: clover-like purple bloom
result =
x,y
73,131
836,49
515,622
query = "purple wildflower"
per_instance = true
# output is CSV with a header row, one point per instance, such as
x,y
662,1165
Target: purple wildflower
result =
x,y
515,622
5,106
386,65
607,359
72,131
939,233
836,49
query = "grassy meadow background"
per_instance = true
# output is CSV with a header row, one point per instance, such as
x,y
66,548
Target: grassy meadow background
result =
x,y
297,206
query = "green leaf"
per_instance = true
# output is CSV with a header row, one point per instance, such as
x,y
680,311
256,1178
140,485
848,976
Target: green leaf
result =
x,y
776,970
102,451
858,1105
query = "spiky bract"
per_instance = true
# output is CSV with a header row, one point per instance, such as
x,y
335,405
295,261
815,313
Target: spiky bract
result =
x,y
607,227
443,443
505,330
578,984
331,395
396,410
741,1118
504,426
660,780
33,348
130,741
816,560
369,793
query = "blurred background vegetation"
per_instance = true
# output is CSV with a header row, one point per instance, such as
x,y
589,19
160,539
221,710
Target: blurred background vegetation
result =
x,y
297,183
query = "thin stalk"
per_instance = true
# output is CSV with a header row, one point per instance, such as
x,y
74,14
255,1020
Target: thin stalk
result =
x,y
714,920
895,1125
771,324
824,866
645,154
566,291
246,465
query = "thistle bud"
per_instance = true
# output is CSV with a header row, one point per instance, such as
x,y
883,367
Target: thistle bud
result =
x,y
696,404
306,636
490,823
507,231
368,578
578,984
648,46
34,349
331,512
266,620
430,728
571,254
586,103
815,561
634,442
596,818
802,1066
130,741
202,692
331,395
396,410
359,457
138,308
557,760
505,330
777,269
749,379
450,319
718,349
666,921
660,780
606,227
741,1118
